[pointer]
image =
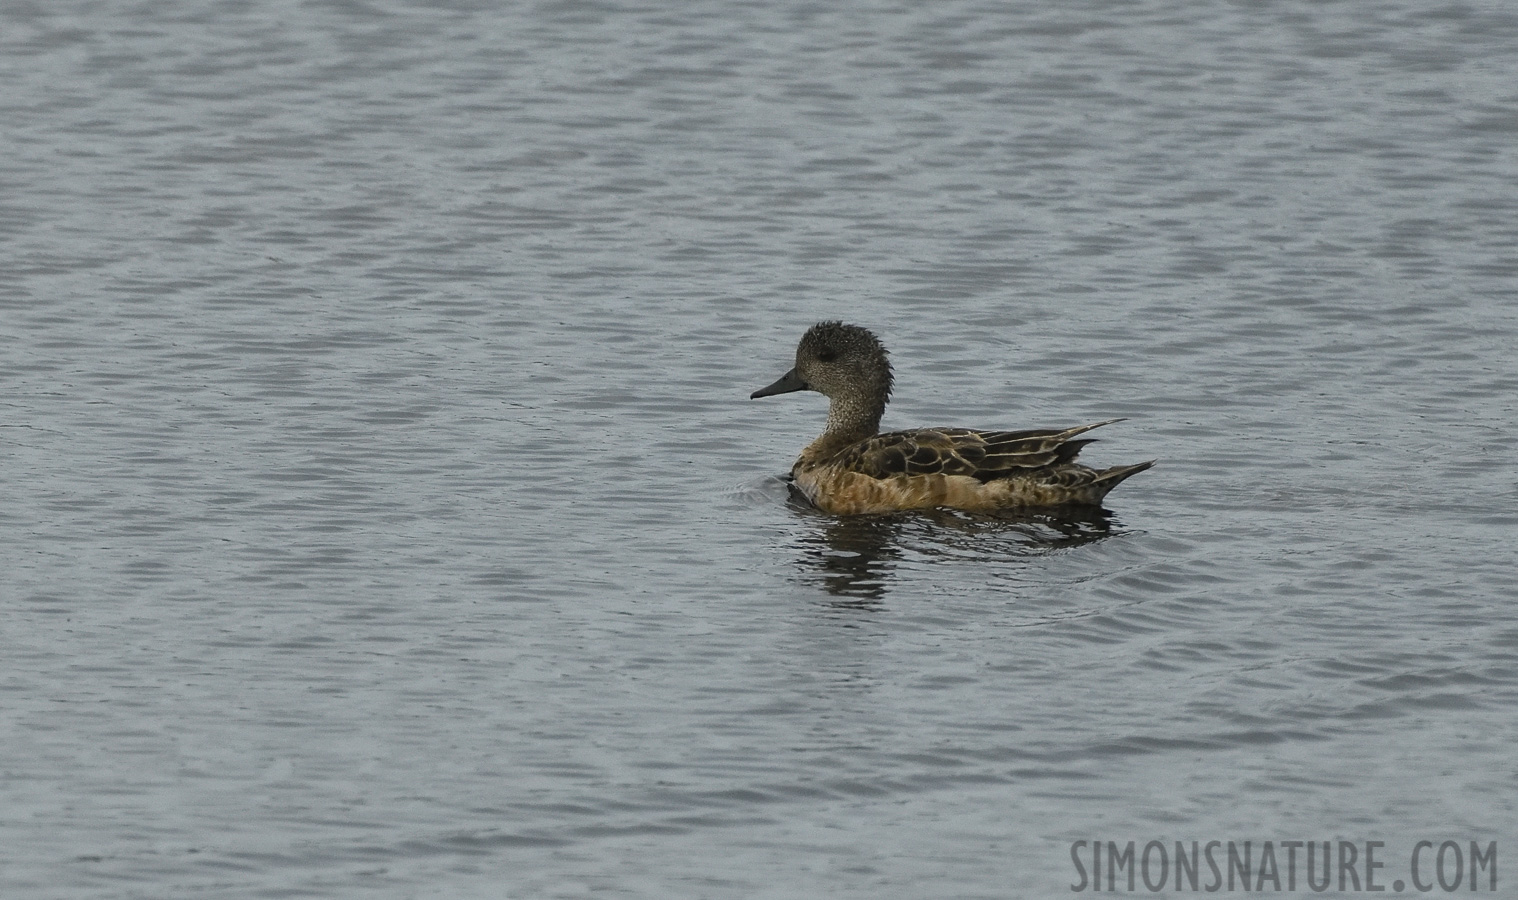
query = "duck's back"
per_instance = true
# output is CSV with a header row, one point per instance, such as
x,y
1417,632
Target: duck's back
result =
x,y
957,467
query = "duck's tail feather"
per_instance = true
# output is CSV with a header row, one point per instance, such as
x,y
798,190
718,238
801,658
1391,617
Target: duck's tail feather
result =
x,y
1111,478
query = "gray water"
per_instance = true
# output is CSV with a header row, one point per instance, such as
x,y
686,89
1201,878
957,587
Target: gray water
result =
x,y
384,514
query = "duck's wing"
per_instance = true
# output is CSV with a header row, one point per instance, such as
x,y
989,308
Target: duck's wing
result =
x,y
986,455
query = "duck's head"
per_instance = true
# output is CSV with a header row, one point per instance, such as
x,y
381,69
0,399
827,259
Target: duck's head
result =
x,y
841,362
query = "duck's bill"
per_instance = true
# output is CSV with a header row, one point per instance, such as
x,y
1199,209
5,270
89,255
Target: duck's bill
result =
x,y
788,382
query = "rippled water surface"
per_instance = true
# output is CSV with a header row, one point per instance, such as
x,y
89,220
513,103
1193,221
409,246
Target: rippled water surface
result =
x,y
384,513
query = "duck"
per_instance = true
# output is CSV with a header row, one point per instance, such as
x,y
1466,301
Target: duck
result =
x,y
853,469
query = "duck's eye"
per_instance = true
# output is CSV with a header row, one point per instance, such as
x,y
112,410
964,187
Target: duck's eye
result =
x,y
827,356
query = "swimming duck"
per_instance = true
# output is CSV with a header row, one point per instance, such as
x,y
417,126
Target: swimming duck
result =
x,y
852,468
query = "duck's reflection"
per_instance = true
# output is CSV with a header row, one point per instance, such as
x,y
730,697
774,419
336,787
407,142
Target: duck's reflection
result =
x,y
853,557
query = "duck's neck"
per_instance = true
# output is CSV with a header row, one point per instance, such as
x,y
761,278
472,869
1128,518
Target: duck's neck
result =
x,y
853,418
850,420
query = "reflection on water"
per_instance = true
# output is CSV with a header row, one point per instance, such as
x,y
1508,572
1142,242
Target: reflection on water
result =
x,y
853,556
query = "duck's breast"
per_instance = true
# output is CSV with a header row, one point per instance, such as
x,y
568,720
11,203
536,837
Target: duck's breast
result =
x,y
842,492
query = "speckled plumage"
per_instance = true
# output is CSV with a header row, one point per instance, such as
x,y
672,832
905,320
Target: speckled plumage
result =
x,y
852,468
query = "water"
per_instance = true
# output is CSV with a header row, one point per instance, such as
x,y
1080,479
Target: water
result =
x,y
385,516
